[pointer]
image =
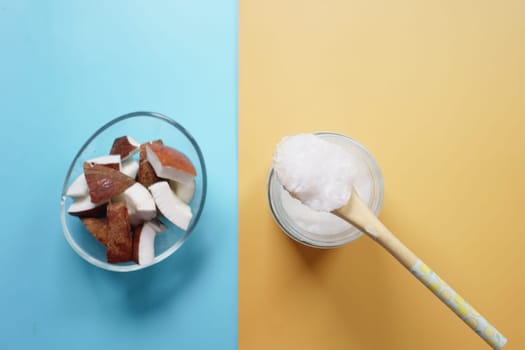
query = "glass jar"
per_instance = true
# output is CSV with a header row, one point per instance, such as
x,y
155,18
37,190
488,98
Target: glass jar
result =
x,y
324,230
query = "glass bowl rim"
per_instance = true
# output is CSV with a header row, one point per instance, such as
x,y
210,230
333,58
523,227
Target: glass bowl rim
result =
x,y
180,241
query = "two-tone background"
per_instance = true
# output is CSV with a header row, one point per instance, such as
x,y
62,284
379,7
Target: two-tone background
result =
x,y
434,89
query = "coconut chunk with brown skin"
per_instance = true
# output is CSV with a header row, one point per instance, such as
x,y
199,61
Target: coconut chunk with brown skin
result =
x,y
146,175
144,244
144,241
98,227
125,146
105,183
169,163
84,207
111,161
79,187
142,154
171,206
119,239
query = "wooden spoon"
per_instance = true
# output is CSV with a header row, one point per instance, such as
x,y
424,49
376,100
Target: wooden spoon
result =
x,y
358,214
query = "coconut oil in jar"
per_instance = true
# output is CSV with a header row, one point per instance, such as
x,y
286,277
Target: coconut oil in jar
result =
x,y
322,229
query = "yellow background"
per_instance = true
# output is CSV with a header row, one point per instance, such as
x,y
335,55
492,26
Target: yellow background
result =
x,y
436,91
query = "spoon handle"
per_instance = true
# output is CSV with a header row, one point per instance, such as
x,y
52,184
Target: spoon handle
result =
x,y
357,213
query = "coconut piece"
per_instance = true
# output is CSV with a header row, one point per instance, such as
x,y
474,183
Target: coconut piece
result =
x,y
119,240
98,228
144,241
105,183
125,146
130,167
78,188
146,175
144,244
84,207
169,163
142,154
111,161
171,206
140,203
185,191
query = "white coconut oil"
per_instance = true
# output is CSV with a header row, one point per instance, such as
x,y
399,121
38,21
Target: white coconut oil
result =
x,y
324,223
366,179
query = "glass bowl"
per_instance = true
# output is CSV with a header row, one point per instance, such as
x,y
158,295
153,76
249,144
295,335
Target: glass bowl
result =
x,y
142,126
277,195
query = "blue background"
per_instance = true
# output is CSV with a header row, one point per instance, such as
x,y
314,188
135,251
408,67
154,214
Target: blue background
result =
x,y
66,68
